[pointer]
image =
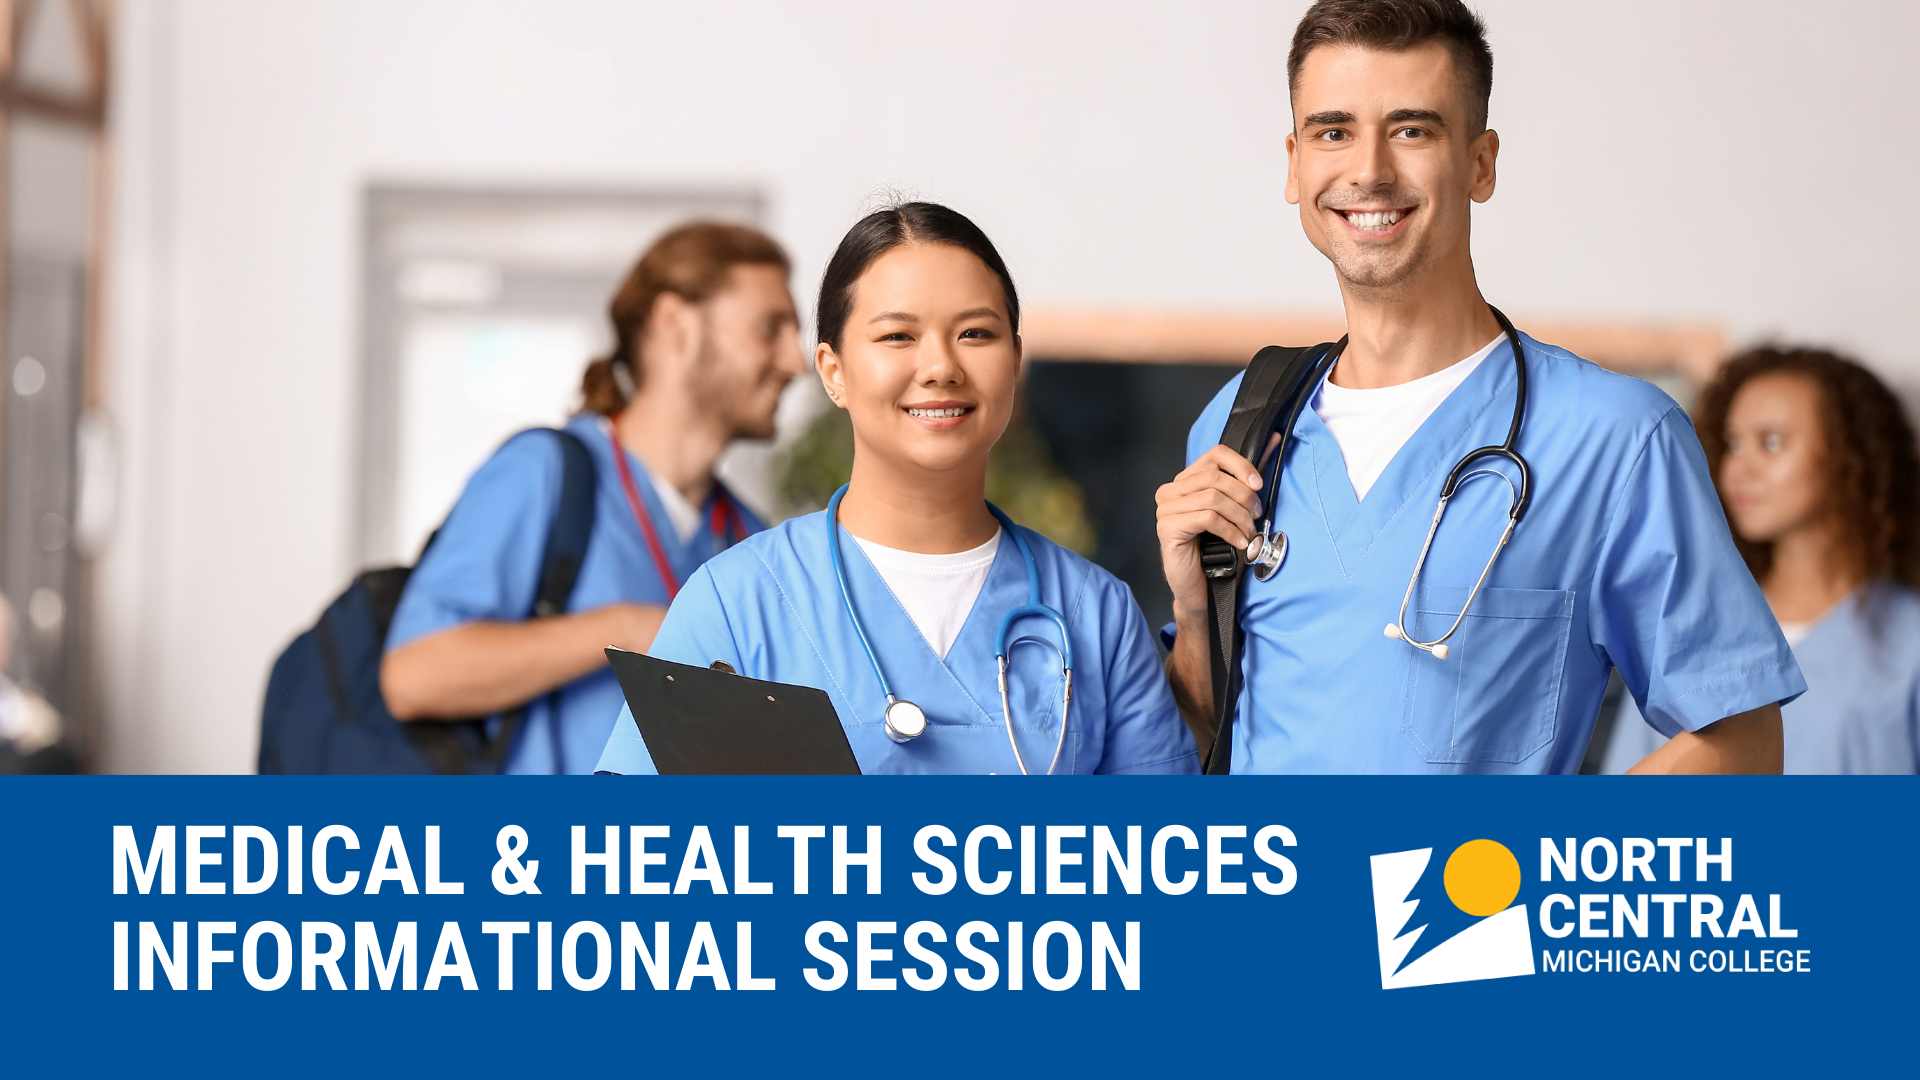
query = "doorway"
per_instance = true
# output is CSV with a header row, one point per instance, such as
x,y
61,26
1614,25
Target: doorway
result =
x,y
483,308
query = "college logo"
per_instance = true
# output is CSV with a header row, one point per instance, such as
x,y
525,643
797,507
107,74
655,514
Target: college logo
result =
x,y
1481,879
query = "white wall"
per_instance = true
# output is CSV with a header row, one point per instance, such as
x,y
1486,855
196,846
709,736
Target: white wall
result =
x,y
1731,162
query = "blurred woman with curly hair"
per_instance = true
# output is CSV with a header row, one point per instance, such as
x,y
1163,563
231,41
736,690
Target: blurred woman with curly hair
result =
x,y
1817,467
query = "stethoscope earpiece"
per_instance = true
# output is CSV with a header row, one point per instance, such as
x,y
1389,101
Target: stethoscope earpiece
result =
x,y
1439,651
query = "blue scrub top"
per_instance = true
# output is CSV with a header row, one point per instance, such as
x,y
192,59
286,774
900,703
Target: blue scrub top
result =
x,y
1861,712
770,607
485,563
1623,559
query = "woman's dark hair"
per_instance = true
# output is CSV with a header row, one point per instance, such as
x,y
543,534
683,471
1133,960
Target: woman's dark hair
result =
x,y
881,232
692,262
1872,464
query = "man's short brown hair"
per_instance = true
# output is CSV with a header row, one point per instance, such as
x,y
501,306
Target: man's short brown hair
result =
x,y
1394,25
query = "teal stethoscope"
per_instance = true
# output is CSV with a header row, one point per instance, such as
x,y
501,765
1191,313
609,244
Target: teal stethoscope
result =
x,y
904,720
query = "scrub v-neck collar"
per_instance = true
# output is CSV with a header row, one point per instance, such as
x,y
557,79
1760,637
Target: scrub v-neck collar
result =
x,y
1417,468
917,665
1845,609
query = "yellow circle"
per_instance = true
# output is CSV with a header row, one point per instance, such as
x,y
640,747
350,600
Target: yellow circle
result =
x,y
1482,877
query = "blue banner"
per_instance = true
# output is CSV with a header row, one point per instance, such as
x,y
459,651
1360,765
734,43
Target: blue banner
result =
x,y
955,926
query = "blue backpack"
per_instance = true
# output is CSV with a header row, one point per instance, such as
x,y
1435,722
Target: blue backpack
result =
x,y
324,712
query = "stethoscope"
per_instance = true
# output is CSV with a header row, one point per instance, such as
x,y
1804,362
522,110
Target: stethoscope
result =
x,y
904,720
1268,549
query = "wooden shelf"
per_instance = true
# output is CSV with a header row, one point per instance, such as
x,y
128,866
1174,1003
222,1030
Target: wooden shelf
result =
x,y
1231,338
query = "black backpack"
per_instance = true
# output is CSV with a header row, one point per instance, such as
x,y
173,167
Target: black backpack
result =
x,y
1276,387
324,712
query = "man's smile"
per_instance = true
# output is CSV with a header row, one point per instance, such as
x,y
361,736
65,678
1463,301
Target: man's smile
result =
x,y
1375,222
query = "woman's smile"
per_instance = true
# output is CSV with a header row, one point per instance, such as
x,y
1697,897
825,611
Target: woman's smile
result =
x,y
940,415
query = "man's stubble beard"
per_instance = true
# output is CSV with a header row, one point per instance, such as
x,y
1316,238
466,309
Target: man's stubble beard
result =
x,y
714,395
1384,274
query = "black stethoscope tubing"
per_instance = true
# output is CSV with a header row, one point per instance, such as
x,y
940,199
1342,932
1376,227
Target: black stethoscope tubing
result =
x,y
1311,386
1268,549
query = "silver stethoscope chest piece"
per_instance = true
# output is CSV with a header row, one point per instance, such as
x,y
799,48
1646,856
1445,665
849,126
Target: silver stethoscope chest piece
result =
x,y
905,721
1265,552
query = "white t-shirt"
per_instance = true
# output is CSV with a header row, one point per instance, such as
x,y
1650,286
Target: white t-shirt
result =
x,y
684,516
938,591
1372,425
681,514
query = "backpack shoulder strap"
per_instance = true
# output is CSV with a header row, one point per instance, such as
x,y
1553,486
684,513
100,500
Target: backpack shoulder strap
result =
x,y
1271,382
456,746
571,530
1276,380
567,538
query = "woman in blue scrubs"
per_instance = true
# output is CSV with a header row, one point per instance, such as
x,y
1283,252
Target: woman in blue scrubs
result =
x,y
919,341
1816,464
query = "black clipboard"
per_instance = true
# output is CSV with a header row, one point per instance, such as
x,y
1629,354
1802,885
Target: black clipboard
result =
x,y
707,722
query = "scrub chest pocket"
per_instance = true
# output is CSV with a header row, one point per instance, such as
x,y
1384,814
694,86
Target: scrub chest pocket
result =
x,y
1497,696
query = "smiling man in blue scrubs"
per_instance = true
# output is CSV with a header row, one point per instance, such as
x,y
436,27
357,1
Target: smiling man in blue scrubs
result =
x,y
1622,560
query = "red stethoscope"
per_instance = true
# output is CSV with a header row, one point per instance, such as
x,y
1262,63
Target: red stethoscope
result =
x,y
725,518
